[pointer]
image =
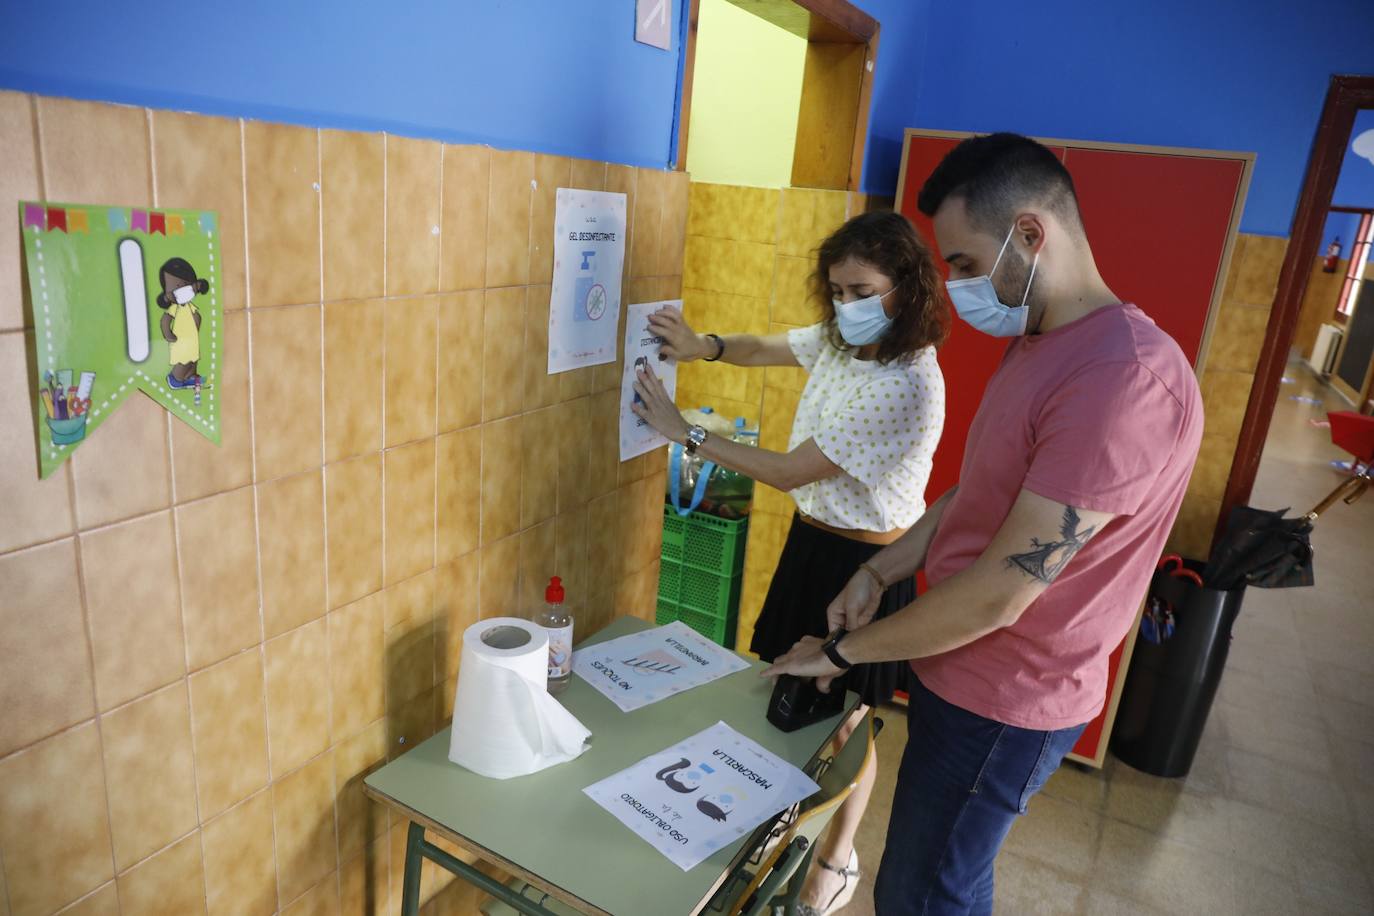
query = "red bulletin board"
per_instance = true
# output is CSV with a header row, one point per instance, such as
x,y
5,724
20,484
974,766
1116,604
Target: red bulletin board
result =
x,y
1162,223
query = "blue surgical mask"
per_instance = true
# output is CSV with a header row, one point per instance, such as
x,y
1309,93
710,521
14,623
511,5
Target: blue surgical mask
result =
x,y
976,301
863,321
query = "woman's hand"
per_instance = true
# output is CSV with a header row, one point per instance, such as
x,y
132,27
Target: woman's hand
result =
x,y
856,606
680,342
656,408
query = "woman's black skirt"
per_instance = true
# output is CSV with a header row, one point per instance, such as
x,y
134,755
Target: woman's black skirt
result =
x,y
814,567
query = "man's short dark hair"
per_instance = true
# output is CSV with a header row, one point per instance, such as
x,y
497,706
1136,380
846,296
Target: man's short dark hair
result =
x,y
997,176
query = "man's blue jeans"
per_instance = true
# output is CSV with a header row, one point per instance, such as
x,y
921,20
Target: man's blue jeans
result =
x,y
964,779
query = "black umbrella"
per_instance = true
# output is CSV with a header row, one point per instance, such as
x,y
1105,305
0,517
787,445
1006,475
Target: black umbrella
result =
x,y
1264,549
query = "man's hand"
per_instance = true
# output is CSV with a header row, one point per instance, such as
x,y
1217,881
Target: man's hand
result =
x,y
806,659
856,605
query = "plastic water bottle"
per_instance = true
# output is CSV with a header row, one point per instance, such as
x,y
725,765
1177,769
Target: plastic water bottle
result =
x,y
558,620
731,491
743,434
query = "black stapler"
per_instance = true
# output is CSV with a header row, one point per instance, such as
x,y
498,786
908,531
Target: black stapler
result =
x,y
797,702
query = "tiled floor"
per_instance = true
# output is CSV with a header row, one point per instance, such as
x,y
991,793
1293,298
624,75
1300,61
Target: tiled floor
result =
x,y
1277,815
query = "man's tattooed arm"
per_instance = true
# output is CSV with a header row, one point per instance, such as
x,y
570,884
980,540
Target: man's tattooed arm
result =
x,y
1047,559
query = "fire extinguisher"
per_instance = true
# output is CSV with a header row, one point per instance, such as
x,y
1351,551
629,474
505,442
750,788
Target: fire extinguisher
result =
x,y
1333,253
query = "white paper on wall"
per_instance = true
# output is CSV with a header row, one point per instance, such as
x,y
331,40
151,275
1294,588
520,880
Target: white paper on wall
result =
x,y
588,258
641,348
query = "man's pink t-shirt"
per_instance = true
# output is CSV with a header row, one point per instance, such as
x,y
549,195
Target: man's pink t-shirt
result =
x,y
1103,413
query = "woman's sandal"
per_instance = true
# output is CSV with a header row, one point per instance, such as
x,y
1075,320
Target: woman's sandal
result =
x,y
843,895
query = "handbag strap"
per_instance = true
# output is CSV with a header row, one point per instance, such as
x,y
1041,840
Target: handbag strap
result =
x,y
675,451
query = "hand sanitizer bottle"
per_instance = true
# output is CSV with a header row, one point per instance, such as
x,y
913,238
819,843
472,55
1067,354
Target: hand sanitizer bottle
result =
x,y
558,620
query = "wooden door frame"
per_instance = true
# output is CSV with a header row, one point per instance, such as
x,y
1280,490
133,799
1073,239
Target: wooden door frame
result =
x,y
841,18
1345,96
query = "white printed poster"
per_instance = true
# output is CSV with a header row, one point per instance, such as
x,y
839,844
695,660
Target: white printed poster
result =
x,y
651,665
588,256
701,794
641,349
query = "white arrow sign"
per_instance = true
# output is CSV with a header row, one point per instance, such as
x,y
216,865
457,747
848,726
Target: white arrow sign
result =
x,y
653,24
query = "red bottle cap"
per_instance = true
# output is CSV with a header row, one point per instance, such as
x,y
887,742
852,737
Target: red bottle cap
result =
x,y
554,593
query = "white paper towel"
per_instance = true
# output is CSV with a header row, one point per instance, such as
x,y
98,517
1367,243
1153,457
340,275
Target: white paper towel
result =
x,y
505,723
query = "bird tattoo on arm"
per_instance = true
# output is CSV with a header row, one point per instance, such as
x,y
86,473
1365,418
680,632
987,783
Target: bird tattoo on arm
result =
x,y
1047,559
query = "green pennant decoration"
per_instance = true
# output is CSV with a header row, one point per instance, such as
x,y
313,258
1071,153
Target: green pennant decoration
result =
x,y
124,300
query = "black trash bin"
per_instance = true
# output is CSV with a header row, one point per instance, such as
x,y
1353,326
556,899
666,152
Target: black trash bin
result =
x,y
1170,685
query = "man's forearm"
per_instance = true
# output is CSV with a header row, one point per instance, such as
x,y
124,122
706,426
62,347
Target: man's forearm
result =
x,y
952,614
906,556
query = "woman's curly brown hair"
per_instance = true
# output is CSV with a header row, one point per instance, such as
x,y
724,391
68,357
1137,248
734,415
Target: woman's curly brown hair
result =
x,y
887,241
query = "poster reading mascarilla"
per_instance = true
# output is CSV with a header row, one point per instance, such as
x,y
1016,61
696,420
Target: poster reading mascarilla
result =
x,y
701,794
124,300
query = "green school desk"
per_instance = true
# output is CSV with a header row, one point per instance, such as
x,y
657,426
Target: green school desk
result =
x,y
544,830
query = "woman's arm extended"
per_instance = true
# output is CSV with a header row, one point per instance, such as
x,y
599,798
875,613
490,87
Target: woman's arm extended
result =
x,y
681,343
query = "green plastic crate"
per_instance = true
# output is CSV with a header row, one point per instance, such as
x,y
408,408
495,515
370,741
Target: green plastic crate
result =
x,y
704,541
705,601
719,630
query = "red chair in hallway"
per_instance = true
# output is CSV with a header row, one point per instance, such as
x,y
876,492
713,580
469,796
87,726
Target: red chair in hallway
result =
x,y
1355,433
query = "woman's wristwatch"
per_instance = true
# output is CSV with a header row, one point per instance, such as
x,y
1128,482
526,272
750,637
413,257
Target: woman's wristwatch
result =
x,y
695,437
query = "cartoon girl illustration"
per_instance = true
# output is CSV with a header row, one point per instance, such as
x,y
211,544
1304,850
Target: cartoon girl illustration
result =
x,y
181,320
716,807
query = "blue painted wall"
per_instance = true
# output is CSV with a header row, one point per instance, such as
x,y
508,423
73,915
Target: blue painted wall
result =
x,y
897,84
1221,74
1354,188
561,76
565,76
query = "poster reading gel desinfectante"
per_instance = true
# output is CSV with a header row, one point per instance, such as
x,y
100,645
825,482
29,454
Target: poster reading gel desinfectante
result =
x,y
651,665
588,255
701,794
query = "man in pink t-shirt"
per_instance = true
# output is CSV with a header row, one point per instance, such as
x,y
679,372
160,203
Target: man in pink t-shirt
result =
x,y
1074,470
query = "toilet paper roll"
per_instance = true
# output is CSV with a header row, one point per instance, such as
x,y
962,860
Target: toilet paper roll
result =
x,y
505,723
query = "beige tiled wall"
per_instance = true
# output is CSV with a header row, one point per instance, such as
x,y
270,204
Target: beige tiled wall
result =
x,y
204,649
1318,305
750,252
1231,358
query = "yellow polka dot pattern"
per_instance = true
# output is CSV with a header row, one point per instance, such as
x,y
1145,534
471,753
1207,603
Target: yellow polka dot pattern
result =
x,y
879,423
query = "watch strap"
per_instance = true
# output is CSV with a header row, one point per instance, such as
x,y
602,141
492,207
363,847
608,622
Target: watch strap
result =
x,y
831,648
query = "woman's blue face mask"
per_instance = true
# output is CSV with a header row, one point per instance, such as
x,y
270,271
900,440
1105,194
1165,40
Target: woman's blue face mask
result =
x,y
863,321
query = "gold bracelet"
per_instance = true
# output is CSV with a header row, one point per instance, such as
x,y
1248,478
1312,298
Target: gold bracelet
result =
x,y
874,573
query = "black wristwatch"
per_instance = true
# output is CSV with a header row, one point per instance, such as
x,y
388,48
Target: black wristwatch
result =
x,y
720,348
831,648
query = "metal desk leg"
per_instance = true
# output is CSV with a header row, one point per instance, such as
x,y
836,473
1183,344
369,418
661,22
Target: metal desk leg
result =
x,y
417,849
415,841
